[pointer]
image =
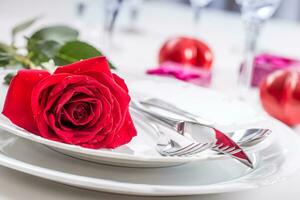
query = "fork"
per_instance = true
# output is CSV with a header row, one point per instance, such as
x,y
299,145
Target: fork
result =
x,y
175,146
198,132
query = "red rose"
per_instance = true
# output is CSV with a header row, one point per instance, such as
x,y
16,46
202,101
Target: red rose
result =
x,y
82,103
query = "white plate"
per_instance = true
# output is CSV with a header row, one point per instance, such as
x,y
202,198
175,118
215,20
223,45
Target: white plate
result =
x,y
274,163
140,152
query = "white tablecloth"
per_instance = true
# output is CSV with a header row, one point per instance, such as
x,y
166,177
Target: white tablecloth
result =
x,y
137,52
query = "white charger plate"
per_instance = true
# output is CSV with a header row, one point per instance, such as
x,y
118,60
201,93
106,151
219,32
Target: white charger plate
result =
x,y
273,164
141,152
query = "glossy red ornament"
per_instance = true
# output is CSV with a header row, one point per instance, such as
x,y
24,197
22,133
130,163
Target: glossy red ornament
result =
x,y
186,51
280,96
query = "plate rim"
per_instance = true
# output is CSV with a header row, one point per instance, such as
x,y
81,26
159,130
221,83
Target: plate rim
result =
x,y
18,131
140,189
119,187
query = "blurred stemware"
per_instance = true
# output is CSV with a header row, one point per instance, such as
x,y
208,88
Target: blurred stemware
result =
x,y
254,14
111,12
134,10
198,6
112,9
81,6
81,11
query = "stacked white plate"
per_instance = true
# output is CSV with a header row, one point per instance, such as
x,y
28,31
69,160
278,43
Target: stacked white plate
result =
x,y
137,169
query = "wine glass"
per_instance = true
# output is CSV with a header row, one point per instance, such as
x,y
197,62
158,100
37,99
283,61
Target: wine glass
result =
x,y
80,8
111,12
134,10
254,14
82,12
198,6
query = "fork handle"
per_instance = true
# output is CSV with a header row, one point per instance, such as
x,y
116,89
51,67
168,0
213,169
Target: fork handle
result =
x,y
165,121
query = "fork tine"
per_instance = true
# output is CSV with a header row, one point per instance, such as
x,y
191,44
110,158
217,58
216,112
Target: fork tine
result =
x,y
192,151
181,149
223,148
263,133
198,150
185,150
216,146
229,149
235,151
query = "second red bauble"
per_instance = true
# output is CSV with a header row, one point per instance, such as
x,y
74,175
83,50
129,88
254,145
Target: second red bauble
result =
x,y
280,96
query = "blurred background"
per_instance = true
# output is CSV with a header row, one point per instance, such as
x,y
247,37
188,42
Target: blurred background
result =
x,y
225,44
289,9
142,27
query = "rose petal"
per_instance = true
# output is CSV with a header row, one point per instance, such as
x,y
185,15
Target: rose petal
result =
x,y
65,97
71,111
120,105
120,82
101,110
74,82
96,64
40,87
124,135
17,106
66,136
63,116
114,88
74,136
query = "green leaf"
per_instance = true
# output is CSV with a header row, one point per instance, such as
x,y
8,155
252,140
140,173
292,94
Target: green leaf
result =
x,y
74,51
48,48
21,27
4,61
60,34
43,50
6,48
8,78
5,54
5,58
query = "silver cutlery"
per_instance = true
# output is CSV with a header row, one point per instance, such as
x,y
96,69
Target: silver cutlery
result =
x,y
243,137
177,145
249,137
198,132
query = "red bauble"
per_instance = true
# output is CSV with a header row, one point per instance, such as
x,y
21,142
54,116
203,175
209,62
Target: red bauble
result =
x,y
187,51
280,96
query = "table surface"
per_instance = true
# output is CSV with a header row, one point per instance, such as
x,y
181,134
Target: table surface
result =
x,y
137,51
